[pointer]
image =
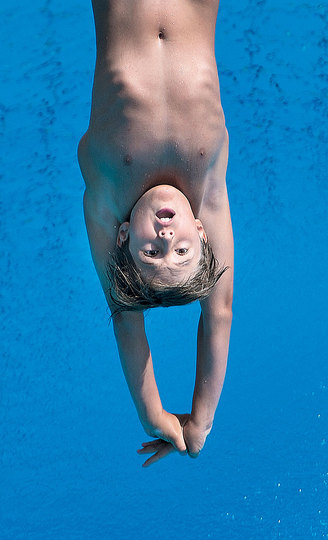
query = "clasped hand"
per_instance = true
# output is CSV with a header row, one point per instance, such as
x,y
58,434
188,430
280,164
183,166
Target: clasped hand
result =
x,y
174,432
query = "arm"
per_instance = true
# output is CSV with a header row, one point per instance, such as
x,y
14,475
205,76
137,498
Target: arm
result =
x,y
215,320
216,317
212,353
138,369
137,366
130,333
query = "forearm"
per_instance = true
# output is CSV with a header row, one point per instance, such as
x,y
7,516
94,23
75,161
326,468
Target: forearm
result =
x,y
137,366
212,353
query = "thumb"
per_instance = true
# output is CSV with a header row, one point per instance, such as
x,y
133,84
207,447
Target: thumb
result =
x,y
194,440
179,444
193,454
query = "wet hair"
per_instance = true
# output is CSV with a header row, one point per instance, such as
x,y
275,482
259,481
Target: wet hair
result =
x,y
130,291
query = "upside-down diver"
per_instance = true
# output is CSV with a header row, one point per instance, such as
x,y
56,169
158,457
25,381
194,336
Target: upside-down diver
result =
x,y
154,161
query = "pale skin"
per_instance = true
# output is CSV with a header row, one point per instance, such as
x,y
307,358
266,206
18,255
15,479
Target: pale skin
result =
x,y
157,140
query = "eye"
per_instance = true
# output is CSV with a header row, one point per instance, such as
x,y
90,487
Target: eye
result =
x,y
151,252
182,251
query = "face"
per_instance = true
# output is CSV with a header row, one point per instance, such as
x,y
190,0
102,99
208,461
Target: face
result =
x,y
164,236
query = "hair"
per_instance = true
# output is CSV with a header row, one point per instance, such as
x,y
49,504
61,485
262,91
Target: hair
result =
x,y
130,291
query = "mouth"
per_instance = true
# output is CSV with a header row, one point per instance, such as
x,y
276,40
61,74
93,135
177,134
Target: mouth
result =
x,y
165,215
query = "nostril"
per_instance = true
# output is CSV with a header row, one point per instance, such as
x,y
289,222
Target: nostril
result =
x,y
166,234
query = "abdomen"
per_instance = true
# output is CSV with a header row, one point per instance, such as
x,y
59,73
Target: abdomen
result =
x,y
156,91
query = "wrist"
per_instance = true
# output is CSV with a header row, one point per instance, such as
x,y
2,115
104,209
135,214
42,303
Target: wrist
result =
x,y
201,422
151,422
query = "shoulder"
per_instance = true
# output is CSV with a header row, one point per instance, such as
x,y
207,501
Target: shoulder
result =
x,y
216,219
82,155
87,159
102,228
98,205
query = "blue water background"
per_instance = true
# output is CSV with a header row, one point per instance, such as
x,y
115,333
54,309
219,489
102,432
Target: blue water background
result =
x,y
69,430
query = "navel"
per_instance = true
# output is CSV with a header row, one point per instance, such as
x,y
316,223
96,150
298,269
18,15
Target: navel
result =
x,y
161,34
202,152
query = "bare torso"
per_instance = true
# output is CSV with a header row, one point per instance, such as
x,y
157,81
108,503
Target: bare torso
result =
x,y
156,116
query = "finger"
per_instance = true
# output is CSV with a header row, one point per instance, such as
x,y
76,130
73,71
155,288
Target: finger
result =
x,y
178,442
180,446
150,449
163,452
152,443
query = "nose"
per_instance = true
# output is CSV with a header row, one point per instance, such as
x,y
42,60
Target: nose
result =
x,y
167,234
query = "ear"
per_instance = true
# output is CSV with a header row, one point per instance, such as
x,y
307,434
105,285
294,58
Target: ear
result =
x,y
123,233
201,230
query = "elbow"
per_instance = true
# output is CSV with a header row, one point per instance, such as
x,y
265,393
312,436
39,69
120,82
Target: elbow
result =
x,y
224,314
221,316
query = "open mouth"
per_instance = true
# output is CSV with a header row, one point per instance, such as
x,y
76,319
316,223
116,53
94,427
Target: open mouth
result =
x,y
165,215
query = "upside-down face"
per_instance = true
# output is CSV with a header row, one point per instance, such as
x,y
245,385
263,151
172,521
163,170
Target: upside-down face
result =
x,y
164,236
